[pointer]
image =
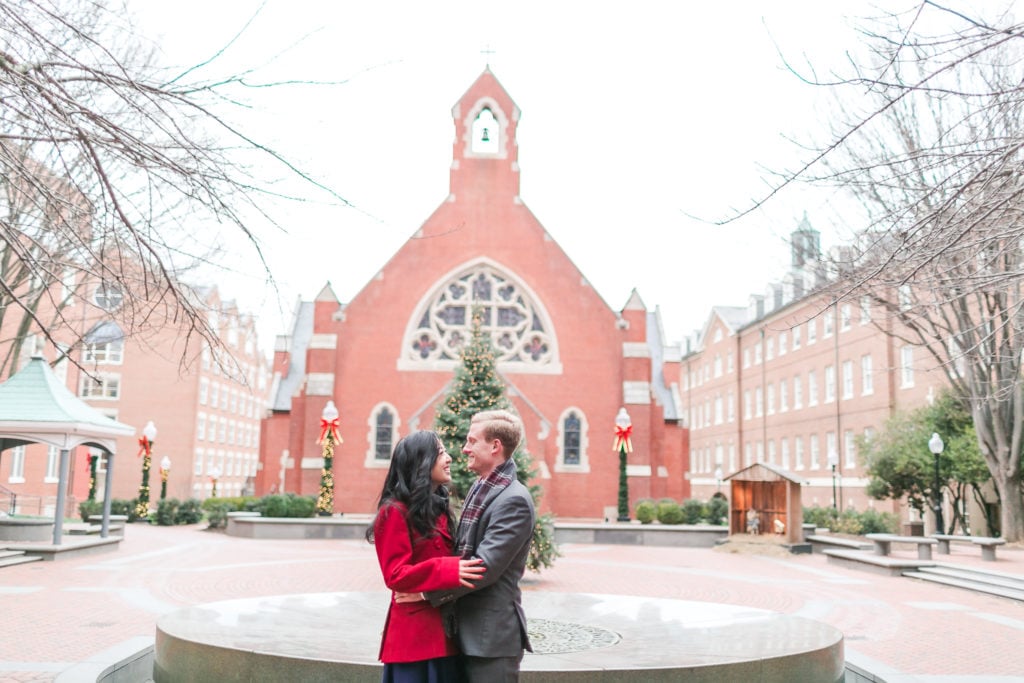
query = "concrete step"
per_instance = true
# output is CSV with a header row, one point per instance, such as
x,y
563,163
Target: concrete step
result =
x,y
967,584
10,558
978,575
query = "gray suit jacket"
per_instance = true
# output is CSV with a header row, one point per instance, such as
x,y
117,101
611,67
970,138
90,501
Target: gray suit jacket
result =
x,y
491,621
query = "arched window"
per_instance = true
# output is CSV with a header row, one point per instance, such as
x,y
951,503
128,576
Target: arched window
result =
x,y
520,330
385,424
382,435
572,442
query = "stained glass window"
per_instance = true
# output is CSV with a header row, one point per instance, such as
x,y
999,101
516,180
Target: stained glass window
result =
x,y
385,422
516,325
571,446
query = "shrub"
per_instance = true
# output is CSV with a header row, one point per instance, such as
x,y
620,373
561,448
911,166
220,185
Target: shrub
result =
x,y
875,522
693,511
166,511
646,511
190,512
90,507
718,510
847,523
287,505
543,549
217,515
820,517
669,512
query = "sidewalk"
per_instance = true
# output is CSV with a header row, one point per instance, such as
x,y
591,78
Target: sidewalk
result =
x,y
55,614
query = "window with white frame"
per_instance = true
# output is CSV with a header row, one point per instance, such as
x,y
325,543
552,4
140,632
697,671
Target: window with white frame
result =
x,y
770,392
798,453
782,343
747,455
771,451
849,449
759,449
201,427
730,363
847,379
730,410
812,388
907,366
865,310
102,386
197,466
812,331
830,383
867,377
381,435
204,390
798,393
746,358
104,353
718,365
905,297
783,396
758,402
222,431
758,353
769,348
17,474
214,395
573,440
52,465
845,315
813,446
796,337
826,324
719,412
830,446
746,405
784,453
732,457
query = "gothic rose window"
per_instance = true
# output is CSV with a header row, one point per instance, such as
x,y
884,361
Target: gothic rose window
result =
x,y
509,316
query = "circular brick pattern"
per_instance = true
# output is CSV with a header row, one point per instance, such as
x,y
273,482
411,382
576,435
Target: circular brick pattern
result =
x,y
550,637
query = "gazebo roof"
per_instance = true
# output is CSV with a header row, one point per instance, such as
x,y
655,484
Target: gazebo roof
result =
x,y
36,407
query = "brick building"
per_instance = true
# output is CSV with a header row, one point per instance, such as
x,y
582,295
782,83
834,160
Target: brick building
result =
x,y
569,361
792,379
206,412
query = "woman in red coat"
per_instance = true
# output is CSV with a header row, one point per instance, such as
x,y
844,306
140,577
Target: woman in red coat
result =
x,y
413,533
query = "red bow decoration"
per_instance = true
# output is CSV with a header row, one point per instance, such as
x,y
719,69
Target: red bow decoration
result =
x,y
622,441
329,428
143,447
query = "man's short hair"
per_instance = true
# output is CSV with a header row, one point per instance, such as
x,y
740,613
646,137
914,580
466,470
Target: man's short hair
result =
x,y
502,425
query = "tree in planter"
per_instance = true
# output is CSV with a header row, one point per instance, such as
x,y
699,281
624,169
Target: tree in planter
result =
x,y
475,388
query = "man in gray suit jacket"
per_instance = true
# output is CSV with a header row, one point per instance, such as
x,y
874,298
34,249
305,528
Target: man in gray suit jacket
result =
x,y
496,525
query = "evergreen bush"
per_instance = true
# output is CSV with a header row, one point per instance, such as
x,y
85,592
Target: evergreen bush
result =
x,y
217,515
693,511
189,512
166,512
718,510
90,507
646,511
669,512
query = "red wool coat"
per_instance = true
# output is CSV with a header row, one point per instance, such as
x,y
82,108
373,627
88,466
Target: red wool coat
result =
x,y
413,564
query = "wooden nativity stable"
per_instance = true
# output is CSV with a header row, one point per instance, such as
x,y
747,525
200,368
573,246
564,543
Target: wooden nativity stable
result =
x,y
765,499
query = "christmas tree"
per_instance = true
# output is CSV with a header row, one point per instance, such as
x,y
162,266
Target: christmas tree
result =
x,y
478,387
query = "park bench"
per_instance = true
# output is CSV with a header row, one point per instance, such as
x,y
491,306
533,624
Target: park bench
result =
x,y
883,544
988,544
821,541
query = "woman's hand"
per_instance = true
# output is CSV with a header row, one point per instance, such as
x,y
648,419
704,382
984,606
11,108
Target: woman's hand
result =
x,y
471,570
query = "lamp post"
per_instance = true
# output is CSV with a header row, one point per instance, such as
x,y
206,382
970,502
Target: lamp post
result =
x,y
935,445
833,460
718,478
146,451
328,437
214,476
165,469
93,458
623,432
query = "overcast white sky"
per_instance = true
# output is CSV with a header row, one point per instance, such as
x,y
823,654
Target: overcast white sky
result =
x,y
635,117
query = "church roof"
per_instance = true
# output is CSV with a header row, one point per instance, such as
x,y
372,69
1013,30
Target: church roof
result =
x,y
36,407
301,335
656,344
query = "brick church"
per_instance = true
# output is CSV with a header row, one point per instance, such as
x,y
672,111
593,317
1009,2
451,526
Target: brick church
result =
x,y
569,361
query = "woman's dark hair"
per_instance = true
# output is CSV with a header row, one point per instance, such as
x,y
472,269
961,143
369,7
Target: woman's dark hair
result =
x,y
408,482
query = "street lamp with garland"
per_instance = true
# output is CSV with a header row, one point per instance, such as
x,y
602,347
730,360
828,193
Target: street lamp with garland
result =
x,y
623,444
146,451
165,470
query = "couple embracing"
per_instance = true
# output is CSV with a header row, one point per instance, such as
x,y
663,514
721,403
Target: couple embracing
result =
x,y
456,610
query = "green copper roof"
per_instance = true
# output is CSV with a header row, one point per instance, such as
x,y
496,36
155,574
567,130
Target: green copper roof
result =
x,y
34,402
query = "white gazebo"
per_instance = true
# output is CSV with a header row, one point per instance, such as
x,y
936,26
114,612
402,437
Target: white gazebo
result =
x,y
36,407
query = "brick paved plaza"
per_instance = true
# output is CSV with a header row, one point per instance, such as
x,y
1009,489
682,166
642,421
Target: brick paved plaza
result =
x,y
56,614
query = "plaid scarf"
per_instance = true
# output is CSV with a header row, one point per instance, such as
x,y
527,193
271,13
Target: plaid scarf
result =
x,y
479,497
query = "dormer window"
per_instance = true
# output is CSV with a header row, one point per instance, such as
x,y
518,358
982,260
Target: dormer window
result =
x,y
485,133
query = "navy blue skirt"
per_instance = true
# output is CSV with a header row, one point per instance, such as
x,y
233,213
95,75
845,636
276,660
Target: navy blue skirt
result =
x,y
439,670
